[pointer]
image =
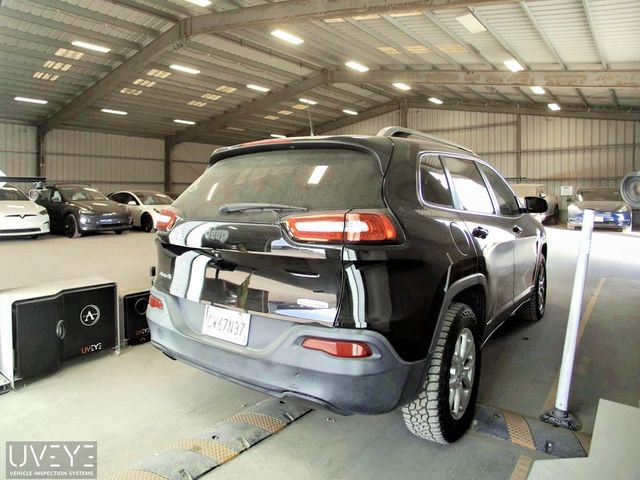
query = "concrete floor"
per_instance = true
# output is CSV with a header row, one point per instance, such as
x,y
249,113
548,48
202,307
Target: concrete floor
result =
x,y
141,402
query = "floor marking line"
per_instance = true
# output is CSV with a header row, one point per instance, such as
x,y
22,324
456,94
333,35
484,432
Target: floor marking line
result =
x,y
521,470
551,397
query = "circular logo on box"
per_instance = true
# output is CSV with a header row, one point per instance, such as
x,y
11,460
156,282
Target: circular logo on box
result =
x,y
141,306
90,315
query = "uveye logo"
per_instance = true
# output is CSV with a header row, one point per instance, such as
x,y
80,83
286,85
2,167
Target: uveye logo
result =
x,y
44,460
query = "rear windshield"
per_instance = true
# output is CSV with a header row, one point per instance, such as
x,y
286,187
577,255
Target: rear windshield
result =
x,y
316,179
11,193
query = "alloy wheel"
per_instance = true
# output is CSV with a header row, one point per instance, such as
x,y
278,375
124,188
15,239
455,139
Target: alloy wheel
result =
x,y
461,373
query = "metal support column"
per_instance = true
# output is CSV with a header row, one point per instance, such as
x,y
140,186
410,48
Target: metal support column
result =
x,y
41,169
519,147
168,178
404,113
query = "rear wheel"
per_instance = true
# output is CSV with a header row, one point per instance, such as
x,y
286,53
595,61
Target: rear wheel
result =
x,y
146,222
119,232
71,226
443,409
534,309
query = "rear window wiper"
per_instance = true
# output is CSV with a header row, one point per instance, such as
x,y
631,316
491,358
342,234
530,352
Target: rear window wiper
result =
x,y
245,207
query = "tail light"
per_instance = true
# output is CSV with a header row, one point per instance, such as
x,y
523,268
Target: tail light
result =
x,y
166,220
353,227
155,302
338,348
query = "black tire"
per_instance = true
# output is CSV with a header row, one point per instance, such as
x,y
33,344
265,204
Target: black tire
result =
x,y
35,237
119,232
71,226
146,222
430,416
555,220
534,309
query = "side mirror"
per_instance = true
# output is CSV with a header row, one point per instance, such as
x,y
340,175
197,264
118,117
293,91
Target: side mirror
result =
x,y
131,202
55,199
535,204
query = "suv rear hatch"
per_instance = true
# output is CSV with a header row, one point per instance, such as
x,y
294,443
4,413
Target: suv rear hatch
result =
x,y
262,230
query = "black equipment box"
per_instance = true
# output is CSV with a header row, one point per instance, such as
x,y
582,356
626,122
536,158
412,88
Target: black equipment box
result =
x,y
134,315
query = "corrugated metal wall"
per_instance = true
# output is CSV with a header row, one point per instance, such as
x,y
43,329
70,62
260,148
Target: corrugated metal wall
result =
x,y
490,135
18,155
106,161
189,160
555,151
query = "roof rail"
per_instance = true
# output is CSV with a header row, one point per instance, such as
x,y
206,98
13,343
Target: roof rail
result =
x,y
403,132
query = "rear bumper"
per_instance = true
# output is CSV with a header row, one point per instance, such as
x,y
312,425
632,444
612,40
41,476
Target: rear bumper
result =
x,y
284,368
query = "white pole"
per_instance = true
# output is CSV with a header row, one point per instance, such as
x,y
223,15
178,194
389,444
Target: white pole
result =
x,y
575,311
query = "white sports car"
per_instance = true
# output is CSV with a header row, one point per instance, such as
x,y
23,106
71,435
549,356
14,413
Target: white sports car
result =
x,y
143,205
19,216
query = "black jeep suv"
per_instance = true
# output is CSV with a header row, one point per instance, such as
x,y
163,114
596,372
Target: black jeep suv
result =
x,y
362,273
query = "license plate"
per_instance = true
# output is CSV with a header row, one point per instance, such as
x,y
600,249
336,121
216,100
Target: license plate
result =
x,y
226,325
599,218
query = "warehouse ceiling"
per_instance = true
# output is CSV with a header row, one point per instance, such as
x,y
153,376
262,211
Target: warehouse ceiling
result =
x,y
253,71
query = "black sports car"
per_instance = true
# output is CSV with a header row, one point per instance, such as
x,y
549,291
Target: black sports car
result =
x,y
78,209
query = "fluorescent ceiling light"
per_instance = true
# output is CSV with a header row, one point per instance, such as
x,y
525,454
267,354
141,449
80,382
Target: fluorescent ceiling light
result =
x,y
184,122
317,174
63,52
287,37
471,23
200,3
30,100
435,100
300,106
272,117
90,46
350,112
144,83
277,135
115,112
356,66
196,103
307,101
236,129
554,106
513,65
52,64
131,91
158,73
537,90
45,76
285,112
226,89
211,96
182,68
402,86
258,88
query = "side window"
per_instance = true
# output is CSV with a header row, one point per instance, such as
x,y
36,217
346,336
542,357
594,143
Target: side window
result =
x,y
469,185
507,203
55,195
127,197
434,185
118,197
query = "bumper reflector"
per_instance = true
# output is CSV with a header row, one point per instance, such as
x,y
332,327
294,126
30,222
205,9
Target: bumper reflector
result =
x,y
338,348
155,302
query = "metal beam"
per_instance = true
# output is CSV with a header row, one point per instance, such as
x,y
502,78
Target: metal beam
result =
x,y
96,16
178,32
542,34
567,111
587,12
286,93
307,11
576,79
138,7
268,14
168,177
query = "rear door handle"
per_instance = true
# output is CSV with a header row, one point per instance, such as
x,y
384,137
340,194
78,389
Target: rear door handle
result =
x,y
517,230
480,232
